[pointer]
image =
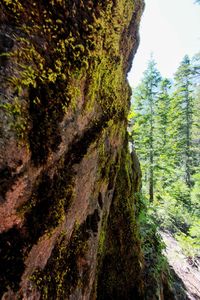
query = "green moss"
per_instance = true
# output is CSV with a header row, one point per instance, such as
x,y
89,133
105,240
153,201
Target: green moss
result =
x,y
121,251
46,111
47,76
62,273
52,197
106,83
65,52
109,163
48,204
17,118
102,239
75,45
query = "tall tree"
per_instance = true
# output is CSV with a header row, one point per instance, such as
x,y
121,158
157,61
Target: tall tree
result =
x,y
145,98
166,133
182,111
196,115
162,149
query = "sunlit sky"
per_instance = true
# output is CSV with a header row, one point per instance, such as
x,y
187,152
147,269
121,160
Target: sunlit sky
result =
x,y
169,29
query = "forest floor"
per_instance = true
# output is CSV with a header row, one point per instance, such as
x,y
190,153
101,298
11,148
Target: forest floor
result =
x,y
186,271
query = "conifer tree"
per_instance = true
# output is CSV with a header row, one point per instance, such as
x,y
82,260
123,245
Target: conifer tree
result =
x,y
145,98
166,133
161,138
181,119
196,113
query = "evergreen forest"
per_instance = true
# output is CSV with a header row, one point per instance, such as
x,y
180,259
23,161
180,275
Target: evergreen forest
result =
x,y
164,129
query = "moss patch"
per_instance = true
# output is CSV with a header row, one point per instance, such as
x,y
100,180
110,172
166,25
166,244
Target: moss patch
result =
x,y
59,41
52,197
120,270
62,273
65,51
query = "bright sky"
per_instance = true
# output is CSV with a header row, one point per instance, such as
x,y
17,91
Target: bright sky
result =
x,y
170,29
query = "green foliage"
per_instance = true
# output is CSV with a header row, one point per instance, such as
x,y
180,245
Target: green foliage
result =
x,y
145,97
195,193
172,125
16,112
155,263
190,243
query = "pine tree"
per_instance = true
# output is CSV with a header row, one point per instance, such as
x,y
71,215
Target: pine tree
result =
x,y
163,170
181,119
145,98
166,132
196,114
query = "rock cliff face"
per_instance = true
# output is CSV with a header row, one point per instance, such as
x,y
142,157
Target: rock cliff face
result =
x,y
68,207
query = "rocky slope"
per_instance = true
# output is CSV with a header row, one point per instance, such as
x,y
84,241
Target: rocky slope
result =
x,y
185,269
68,211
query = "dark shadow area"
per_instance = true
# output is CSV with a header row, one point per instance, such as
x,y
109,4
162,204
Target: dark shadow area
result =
x,y
178,286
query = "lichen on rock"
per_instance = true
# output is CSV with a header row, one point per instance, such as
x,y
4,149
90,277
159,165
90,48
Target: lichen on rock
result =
x,y
64,158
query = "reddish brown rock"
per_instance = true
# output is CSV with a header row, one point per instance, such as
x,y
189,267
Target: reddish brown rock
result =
x,y
67,206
